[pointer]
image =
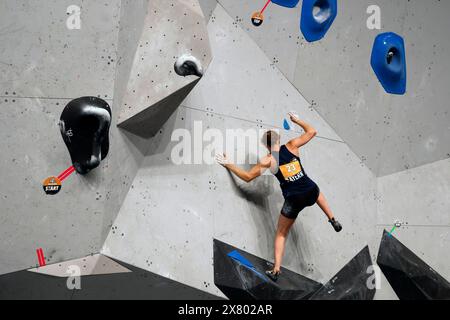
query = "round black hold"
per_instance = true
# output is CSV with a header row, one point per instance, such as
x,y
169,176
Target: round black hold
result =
x,y
84,126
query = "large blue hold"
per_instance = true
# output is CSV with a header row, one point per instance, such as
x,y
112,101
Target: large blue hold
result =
x,y
317,18
286,3
389,62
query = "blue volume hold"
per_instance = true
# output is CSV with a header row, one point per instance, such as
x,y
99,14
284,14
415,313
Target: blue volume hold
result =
x,y
389,62
317,18
236,256
286,3
286,125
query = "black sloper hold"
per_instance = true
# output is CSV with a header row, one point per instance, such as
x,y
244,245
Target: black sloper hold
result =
x,y
84,125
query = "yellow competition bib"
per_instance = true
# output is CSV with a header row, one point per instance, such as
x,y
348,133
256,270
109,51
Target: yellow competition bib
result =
x,y
292,170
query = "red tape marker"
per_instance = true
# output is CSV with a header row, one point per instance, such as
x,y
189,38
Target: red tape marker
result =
x,y
265,7
41,258
63,176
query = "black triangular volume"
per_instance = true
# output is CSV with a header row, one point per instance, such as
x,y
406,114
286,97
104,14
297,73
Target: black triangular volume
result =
x,y
245,279
138,284
351,283
410,277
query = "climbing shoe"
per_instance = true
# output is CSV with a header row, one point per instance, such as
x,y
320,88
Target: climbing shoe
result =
x,y
336,225
273,275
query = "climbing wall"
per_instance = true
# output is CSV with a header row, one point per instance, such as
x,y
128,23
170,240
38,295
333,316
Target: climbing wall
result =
x,y
132,17
154,89
395,132
380,159
399,138
173,212
421,206
44,65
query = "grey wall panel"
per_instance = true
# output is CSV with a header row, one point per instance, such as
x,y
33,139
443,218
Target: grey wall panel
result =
x,y
279,37
143,209
241,81
169,32
417,196
256,211
132,16
127,153
165,224
32,151
41,57
419,130
172,212
74,222
337,75
208,7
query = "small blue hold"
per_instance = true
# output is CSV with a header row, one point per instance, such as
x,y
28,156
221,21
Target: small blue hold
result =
x,y
389,62
317,18
286,125
286,3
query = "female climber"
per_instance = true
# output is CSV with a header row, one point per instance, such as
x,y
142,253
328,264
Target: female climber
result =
x,y
299,191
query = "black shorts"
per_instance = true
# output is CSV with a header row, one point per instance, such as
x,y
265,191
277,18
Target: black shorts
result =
x,y
293,205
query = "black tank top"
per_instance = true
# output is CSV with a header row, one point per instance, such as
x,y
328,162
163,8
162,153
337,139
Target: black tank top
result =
x,y
291,174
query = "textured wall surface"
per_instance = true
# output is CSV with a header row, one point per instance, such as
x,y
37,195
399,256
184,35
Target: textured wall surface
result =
x,y
279,36
374,157
41,57
168,32
418,198
208,8
132,17
172,212
394,132
44,66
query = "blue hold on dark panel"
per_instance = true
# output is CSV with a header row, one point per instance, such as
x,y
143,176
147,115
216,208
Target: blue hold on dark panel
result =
x,y
286,3
317,18
238,257
389,62
238,275
235,255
